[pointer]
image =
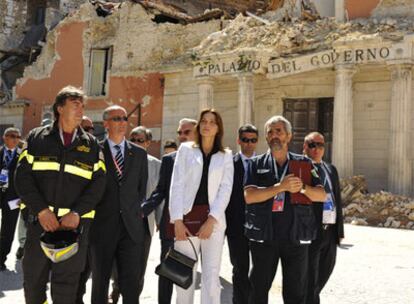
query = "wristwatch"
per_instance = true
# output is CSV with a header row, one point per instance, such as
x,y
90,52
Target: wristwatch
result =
x,y
303,190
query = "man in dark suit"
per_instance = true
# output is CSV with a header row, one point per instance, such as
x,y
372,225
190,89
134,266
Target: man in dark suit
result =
x,y
117,234
322,251
161,194
9,155
235,215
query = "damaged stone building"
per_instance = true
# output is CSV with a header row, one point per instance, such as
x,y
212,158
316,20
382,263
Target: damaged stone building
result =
x,y
23,28
340,67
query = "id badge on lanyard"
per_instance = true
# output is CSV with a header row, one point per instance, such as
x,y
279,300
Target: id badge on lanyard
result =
x,y
279,199
278,202
4,178
329,209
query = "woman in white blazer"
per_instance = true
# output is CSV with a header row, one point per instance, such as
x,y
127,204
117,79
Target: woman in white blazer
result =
x,y
202,178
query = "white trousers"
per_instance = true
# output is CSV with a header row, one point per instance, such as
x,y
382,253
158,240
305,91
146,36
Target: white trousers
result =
x,y
209,252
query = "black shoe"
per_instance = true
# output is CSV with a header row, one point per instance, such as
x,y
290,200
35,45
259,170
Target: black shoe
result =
x,y
19,253
3,267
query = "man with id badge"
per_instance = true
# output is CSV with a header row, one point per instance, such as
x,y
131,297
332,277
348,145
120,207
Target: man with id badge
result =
x,y
9,202
322,252
271,214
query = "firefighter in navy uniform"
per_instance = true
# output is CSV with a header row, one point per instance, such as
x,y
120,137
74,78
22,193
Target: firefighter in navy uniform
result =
x,y
60,176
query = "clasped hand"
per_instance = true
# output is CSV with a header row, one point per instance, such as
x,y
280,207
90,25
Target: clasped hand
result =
x,y
49,221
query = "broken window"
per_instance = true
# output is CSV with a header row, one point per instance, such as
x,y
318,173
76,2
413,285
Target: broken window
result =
x,y
99,66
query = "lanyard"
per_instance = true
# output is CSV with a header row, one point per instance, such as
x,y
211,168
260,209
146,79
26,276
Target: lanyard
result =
x,y
284,171
327,179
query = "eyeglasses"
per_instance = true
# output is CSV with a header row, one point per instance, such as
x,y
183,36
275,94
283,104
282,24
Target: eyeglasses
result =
x,y
13,136
247,140
186,132
140,140
313,145
118,118
89,129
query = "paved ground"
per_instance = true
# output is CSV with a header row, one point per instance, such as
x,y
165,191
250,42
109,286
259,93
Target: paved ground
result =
x,y
375,266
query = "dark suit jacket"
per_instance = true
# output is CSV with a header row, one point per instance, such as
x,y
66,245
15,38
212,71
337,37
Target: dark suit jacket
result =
x,y
235,212
122,198
318,207
10,193
162,192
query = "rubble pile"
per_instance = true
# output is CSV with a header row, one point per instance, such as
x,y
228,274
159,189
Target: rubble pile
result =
x,y
298,35
382,209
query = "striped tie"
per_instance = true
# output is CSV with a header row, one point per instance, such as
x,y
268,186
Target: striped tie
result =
x,y
8,157
119,159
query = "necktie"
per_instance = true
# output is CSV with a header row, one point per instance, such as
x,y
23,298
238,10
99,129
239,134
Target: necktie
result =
x,y
8,157
119,159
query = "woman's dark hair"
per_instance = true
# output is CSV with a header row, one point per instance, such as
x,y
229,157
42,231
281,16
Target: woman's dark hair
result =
x,y
218,140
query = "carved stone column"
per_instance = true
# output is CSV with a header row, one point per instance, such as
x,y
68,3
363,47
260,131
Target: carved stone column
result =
x,y
343,136
246,99
399,156
205,93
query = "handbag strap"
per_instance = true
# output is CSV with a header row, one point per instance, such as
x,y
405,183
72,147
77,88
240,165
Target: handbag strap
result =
x,y
195,252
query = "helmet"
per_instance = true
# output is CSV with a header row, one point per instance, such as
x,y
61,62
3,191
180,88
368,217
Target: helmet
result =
x,y
60,245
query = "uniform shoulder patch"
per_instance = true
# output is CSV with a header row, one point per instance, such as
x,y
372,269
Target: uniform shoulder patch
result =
x,y
83,148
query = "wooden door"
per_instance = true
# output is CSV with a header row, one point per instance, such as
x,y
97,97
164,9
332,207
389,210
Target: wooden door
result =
x,y
308,115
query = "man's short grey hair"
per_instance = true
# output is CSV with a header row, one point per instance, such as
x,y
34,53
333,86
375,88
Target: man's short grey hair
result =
x,y
109,109
278,118
187,121
142,130
11,130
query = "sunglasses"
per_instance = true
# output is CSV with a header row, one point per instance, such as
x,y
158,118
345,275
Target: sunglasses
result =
x,y
118,118
14,136
88,129
139,140
247,140
313,145
186,132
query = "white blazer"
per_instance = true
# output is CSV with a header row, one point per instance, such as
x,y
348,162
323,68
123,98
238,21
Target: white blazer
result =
x,y
186,178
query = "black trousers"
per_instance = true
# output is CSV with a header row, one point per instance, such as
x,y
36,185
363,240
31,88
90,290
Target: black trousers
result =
x,y
143,266
265,258
64,276
84,276
322,258
165,286
127,255
144,257
239,258
8,227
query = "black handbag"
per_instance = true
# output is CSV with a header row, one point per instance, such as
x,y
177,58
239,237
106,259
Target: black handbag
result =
x,y
178,267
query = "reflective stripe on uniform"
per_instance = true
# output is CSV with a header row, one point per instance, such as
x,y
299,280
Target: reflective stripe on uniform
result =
x,y
26,155
63,211
45,166
78,171
99,165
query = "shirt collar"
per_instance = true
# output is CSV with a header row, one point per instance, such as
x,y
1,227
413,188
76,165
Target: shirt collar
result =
x,y
75,132
112,144
244,157
7,149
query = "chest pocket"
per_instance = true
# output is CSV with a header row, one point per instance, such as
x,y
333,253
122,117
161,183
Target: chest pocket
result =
x,y
265,178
